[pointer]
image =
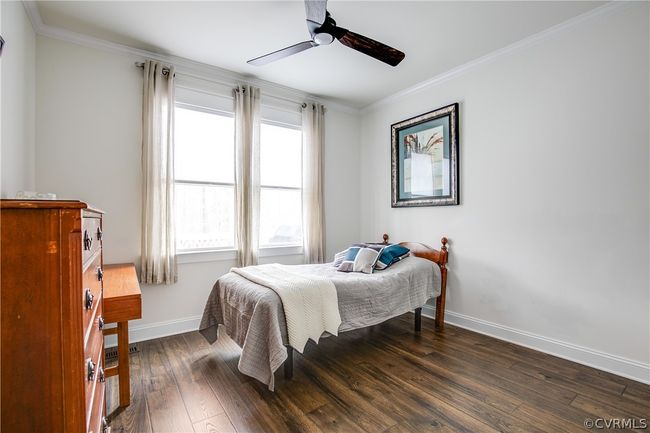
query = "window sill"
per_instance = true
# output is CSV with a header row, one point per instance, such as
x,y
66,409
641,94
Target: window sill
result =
x,y
285,250
231,254
206,256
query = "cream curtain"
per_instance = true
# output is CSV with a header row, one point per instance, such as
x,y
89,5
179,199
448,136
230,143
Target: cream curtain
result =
x,y
158,256
247,172
313,138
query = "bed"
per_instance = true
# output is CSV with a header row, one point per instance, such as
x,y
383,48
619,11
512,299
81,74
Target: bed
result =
x,y
253,315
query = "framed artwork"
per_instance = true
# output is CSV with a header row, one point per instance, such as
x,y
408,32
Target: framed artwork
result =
x,y
424,159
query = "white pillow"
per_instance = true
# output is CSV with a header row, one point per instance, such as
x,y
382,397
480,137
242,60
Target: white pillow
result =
x,y
365,260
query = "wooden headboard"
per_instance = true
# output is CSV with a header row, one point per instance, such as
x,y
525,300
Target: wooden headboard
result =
x,y
439,257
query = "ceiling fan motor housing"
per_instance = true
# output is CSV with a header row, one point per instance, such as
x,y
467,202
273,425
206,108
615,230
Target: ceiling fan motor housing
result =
x,y
323,38
324,35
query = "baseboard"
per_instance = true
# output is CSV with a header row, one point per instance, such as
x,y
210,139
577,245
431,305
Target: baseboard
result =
x,y
157,330
603,361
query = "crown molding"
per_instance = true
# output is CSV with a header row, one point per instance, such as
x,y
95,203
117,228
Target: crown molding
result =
x,y
223,76
33,14
183,65
494,55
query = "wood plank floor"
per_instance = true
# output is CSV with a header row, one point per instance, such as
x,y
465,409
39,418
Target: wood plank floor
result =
x,y
380,379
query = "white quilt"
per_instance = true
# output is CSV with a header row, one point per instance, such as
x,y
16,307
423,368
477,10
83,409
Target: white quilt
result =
x,y
310,302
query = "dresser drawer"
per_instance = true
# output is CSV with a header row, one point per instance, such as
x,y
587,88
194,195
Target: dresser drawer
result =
x,y
91,294
91,391
91,236
96,416
94,363
93,332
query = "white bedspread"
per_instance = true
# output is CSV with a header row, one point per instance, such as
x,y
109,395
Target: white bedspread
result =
x,y
310,302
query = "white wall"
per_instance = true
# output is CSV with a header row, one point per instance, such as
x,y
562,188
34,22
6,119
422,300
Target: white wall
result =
x,y
551,237
17,94
88,148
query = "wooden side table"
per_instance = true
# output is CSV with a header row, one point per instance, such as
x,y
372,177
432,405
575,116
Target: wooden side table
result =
x,y
122,302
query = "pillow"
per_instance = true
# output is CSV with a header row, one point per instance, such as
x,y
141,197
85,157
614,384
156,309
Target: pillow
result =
x,y
361,258
365,260
339,257
390,255
347,265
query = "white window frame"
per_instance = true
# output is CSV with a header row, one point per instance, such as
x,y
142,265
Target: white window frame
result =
x,y
218,112
285,188
214,101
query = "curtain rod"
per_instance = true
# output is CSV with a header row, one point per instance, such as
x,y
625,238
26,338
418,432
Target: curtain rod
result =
x,y
140,65
166,70
293,101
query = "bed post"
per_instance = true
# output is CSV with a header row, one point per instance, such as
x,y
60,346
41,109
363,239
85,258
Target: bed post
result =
x,y
418,319
288,364
440,301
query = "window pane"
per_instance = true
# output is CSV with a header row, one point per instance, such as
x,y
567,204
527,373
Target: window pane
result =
x,y
280,224
281,156
204,148
204,216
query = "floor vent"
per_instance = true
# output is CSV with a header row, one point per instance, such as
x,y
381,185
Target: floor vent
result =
x,y
110,354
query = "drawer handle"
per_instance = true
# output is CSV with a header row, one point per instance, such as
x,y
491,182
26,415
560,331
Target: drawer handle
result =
x,y
100,323
102,378
88,241
100,274
99,233
105,428
91,371
89,299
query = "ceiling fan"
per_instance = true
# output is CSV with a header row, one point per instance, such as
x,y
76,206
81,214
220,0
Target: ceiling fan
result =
x,y
323,31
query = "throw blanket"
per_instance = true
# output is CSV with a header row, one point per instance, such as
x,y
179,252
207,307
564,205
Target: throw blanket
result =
x,y
310,303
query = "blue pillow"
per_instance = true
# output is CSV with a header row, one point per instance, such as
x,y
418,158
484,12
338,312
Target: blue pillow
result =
x,y
352,253
391,254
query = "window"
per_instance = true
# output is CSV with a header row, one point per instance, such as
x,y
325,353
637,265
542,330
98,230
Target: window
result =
x,y
281,185
204,164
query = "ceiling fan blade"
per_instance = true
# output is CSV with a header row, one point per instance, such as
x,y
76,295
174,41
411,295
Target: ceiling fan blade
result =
x,y
369,46
316,10
280,54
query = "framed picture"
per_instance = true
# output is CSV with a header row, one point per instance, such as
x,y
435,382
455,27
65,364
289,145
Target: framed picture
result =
x,y
424,159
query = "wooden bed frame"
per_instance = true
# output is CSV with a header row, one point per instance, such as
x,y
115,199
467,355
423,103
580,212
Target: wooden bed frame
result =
x,y
439,257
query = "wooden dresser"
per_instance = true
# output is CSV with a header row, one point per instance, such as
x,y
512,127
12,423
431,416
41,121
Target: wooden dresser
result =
x,y
52,345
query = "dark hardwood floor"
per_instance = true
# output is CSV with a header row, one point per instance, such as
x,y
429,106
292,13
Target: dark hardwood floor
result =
x,y
380,379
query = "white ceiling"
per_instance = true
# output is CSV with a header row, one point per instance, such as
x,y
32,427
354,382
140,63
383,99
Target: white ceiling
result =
x,y
436,36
